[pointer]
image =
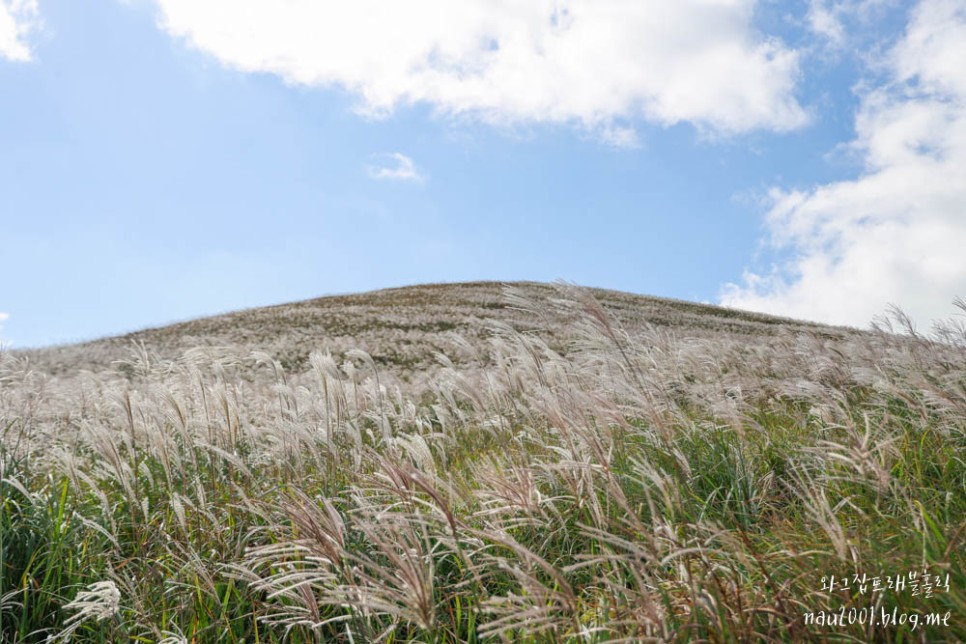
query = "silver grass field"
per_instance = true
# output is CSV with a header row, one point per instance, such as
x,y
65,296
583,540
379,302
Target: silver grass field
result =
x,y
477,463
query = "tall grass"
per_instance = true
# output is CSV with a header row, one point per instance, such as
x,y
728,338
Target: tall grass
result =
x,y
601,485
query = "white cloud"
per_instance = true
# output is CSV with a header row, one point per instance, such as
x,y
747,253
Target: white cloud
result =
x,y
18,18
897,233
824,18
402,169
3,318
619,136
585,62
841,23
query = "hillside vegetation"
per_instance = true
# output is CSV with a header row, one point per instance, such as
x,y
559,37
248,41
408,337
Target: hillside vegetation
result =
x,y
404,328
484,463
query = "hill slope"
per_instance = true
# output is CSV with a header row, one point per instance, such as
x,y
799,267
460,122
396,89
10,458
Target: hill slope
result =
x,y
403,328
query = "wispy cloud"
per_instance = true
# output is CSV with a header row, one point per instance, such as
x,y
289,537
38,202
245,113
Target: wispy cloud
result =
x,y
400,168
824,19
3,318
896,234
839,22
589,63
18,19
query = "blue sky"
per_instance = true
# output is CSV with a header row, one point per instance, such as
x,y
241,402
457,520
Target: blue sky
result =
x,y
163,160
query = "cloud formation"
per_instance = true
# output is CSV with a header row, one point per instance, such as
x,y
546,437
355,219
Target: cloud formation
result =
x,y
897,233
827,18
600,64
18,18
402,169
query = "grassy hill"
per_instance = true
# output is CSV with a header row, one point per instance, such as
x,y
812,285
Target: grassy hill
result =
x,y
478,462
403,328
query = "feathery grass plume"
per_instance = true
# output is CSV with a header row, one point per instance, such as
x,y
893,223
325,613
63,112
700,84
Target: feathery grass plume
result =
x,y
173,638
545,602
397,579
99,602
512,490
